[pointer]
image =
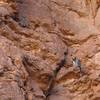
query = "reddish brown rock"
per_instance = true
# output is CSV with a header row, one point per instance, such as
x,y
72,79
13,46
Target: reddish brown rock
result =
x,y
33,42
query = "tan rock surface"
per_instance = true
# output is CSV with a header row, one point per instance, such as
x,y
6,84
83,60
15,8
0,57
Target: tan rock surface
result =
x,y
34,34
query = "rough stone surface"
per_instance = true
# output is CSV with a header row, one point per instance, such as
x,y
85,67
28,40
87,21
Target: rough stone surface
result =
x,y
34,34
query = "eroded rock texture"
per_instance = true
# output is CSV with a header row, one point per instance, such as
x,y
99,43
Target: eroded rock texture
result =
x,y
34,34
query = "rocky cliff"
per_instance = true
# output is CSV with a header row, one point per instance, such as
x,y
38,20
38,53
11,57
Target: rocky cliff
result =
x,y
34,34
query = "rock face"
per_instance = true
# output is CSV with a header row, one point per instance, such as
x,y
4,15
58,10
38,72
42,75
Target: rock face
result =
x,y
34,34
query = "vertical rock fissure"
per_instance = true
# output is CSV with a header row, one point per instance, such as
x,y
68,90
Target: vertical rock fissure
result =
x,y
53,78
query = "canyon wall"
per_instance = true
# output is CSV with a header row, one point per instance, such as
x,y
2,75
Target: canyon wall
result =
x,y
34,34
